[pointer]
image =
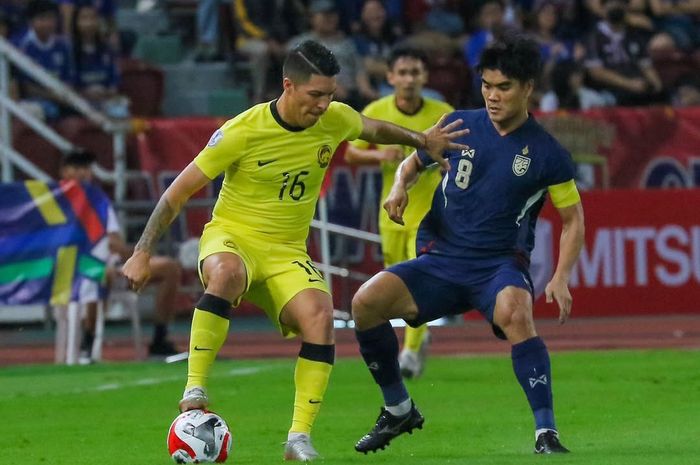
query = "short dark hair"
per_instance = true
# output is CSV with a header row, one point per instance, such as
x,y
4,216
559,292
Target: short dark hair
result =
x,y
307,58
78,158
407,52
39,7
513,54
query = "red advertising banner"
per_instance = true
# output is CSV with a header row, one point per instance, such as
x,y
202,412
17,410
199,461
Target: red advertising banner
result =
x,y
642,254
628,148
638,147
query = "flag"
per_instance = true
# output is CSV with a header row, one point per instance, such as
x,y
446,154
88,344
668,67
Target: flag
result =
x,y
52,237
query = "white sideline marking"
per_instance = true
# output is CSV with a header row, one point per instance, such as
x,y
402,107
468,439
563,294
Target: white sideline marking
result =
x,y
154,381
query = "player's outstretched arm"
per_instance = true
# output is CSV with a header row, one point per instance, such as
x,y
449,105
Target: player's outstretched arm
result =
x,y
434,141
190,180
570,244
406,175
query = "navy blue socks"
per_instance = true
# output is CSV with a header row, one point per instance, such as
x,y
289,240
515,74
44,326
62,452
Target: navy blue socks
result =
x,y
380,350
532,368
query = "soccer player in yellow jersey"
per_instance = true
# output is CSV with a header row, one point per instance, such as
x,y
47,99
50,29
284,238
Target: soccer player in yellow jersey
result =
x,y
407,107
274,157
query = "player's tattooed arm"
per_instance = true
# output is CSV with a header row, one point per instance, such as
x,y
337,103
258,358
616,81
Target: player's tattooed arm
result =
x,y
157,224
137,268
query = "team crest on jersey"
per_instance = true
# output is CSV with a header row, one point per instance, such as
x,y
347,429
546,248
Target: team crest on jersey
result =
x,y
521,162
324,156
215,138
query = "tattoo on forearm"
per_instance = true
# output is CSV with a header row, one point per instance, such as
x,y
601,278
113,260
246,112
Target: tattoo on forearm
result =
x,y
157,224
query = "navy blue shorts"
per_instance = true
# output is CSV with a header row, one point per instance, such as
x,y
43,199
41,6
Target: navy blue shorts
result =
x,y
443,286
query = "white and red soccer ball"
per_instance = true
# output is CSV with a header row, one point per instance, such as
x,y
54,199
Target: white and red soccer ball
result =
x,y
199,436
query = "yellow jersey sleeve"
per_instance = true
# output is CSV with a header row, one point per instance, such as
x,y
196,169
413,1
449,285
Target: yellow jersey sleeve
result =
x,y
225,148
564,194
346,119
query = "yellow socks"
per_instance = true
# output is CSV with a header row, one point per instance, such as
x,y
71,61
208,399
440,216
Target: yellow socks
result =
x,y
313,370
209,330
413,338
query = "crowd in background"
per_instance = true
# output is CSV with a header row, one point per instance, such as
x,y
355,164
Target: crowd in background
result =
x,y
596,52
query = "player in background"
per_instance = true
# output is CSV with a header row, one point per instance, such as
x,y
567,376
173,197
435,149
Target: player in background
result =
x,y
479,233
274,157
408,73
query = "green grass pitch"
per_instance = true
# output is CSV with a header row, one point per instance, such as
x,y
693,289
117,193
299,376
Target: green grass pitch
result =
x,y
617,408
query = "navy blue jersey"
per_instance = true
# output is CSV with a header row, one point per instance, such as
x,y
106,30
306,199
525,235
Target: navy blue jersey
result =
x,y
488,202
95,67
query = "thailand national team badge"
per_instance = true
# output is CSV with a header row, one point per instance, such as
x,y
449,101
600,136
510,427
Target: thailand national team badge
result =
x,y
215,138
324,156
521,162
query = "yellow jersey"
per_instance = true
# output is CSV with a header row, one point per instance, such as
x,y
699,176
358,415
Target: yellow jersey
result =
x,y
273,171
421,193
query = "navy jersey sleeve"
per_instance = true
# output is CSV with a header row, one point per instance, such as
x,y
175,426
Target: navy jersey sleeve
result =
x,y
425,159
560,166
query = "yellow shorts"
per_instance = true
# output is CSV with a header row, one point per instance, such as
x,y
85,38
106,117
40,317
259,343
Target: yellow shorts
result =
x,y
275,272
398,245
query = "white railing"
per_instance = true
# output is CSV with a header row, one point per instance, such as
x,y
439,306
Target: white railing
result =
x,y
11,159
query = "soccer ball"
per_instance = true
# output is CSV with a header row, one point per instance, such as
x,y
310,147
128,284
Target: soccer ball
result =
x,y
199,436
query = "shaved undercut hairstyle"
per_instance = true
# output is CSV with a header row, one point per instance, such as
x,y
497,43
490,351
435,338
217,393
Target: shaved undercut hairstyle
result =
x,y
515,55
309,58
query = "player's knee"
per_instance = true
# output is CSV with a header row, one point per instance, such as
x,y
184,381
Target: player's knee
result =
x,y
362,304
321,318
228,274
512,310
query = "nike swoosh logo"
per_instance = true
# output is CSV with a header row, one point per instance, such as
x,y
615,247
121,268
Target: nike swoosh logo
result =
x,y
312,280
201,348
265,162
314,401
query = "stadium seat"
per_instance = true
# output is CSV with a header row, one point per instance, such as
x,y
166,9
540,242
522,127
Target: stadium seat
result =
x,y
227,102
452,78
36,149
69,328
143,84
85,134
672,66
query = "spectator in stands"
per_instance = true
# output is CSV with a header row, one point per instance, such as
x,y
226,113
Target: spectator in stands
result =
x,y
552,49
617,59
443,16
208,31
77,166
353,85
569,92
106,11
42,43
94,71
263,28
490,23
5,33
679,20
14,19
374,41
686,92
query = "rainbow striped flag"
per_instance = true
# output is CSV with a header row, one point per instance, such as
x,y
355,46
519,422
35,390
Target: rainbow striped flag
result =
x,y
52,236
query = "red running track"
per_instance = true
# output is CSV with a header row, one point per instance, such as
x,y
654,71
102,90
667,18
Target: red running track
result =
x,y
474,337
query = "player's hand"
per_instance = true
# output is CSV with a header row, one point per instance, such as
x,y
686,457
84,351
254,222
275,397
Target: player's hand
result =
x,y
395,204
137,270
439,138
391,153
558,290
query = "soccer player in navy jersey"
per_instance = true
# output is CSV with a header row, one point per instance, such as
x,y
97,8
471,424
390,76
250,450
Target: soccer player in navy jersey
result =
x,y
475,243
